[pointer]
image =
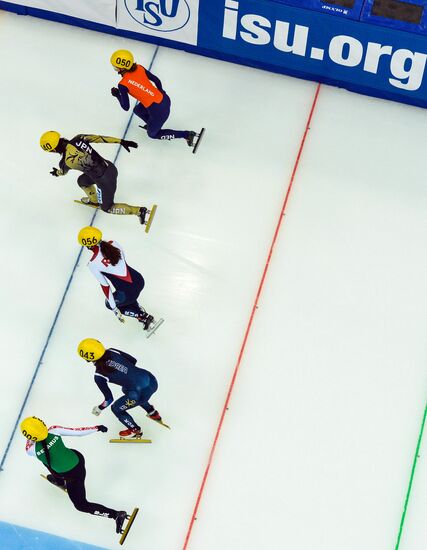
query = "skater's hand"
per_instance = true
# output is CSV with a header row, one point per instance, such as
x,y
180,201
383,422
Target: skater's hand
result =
x,y
127,144
115,92
102,428
96,411
118,314
55,172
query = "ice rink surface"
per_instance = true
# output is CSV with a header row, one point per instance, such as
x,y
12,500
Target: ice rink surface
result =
x,y
327,336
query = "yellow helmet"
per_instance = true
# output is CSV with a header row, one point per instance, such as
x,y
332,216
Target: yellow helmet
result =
x,y
122,59
49,141
89,236
90,349
34,429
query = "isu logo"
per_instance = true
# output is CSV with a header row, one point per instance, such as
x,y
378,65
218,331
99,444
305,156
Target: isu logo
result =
x,y
160,15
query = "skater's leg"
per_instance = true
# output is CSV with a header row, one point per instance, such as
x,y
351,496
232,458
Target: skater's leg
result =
x,y
158,114
147,393
87,185
131,310
126,295
55,479
120,406
107,185
123,209
141,112
75,480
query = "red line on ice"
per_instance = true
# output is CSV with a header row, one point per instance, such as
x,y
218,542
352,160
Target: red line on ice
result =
x,y
251,318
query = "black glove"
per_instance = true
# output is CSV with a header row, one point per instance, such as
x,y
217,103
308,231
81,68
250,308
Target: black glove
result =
x,y
127,144
102,428
54,172
115,92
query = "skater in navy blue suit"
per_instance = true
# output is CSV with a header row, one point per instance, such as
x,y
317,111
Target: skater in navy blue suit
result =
x,y
118,367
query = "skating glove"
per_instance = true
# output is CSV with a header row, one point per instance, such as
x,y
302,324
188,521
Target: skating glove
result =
x,y
127,144
115,92
118,314
56,172
102,428
96,411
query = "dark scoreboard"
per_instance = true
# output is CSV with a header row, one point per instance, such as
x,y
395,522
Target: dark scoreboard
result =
x,y
407,15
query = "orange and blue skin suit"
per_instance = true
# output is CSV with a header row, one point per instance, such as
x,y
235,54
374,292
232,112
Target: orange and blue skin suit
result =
x,y
153,105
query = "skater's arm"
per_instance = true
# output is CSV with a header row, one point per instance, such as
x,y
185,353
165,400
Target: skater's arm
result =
x,y
94,138
155,80
30,448
102,384
61,430
62,170
123,97
103,281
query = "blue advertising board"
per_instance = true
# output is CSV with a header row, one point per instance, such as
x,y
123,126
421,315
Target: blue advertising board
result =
x,y
272,35
361,57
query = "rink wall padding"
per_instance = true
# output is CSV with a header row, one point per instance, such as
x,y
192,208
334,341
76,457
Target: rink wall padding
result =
x,y
15,537
322,41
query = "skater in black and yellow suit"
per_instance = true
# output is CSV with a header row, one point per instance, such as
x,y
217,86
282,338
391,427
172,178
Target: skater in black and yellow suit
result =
x,y
66,466
99,178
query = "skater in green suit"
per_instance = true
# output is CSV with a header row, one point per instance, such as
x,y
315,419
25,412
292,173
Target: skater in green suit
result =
x,y
66,466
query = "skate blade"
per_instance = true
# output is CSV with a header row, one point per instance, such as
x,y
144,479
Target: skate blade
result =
x,y
62,488
128,526
152,330
159,422
199,139
150,218
90,204
130,440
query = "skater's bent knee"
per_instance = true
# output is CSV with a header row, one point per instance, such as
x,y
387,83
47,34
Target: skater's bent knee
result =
x,y
115,408
80,506
152,134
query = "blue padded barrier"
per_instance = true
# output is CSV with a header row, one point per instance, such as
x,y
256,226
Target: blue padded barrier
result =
x,y
14,537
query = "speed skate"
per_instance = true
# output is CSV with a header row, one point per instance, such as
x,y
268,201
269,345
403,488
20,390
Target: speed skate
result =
x,y
197,140
64,488
147,223
124,532
153,327
133,439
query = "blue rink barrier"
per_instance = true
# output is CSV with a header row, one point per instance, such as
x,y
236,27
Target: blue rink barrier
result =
x,y
15,537
360,56
350,54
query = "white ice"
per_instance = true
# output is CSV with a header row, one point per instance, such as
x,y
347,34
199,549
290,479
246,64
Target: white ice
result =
x,y
316,448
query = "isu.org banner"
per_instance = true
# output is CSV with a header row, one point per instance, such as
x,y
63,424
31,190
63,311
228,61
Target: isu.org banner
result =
x,y
263,33
351,54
